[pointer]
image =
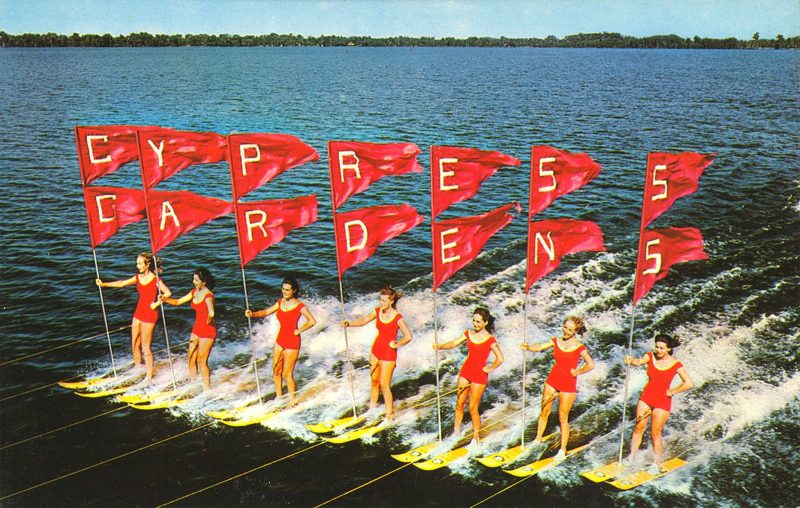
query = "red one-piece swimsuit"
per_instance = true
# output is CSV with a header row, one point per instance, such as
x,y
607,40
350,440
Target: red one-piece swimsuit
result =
x,y
147,295
655,393
288,320
472,370
201,328
560,377
387,332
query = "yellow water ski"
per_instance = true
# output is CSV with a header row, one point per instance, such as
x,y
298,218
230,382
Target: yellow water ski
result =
x,y
445,459
141,398
502,457
638,478
86,383
366,431
334,425
105,393
417,453
250,420
162,404
232,413
604,473
540,465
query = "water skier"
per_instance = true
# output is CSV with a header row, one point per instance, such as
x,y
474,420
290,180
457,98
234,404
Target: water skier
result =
x,y
563,378
656,398
474,373
204,330
288,310
149,285
383,356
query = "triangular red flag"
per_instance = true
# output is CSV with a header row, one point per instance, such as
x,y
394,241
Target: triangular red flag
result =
x,y
175,213
670,176
659,249
555,173
164,152
550,240
111,208
103,149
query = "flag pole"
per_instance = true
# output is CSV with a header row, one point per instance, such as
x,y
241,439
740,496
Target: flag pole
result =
x,y
436,356
340,274
633,314
524,366
105,317
252,340
155,262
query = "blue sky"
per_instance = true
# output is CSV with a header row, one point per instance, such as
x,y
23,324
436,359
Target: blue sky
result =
x,y
437,18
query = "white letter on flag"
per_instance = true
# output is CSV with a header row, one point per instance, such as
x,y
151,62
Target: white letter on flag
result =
x,y
663,195
548,247
443,174
450,245
343,166
253,224
158,149
246,159
103,218
546,172
656,256
351,248
89,140
166,209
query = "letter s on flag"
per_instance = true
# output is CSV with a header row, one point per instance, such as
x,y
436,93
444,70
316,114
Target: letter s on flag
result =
x,y
670,176
664,248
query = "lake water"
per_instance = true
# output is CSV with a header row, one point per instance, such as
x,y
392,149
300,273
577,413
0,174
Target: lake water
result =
x,y
737,313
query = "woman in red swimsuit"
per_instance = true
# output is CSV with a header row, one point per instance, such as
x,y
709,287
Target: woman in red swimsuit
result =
x,y
287,345
474,373
383,357
563,378
204,330
148,284
656,399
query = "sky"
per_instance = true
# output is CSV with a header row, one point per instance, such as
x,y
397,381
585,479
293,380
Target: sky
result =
x,y
436,18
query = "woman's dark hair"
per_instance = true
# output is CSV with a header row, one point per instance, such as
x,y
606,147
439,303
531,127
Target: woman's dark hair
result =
x,y
154,264
669,340
205,277
580,326
393,294
487,316
294,284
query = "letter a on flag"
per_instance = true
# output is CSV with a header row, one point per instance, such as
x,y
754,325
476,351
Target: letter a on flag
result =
x,y
164,152
111,208
457,173
360,232
456,242
255,159
670,176
354,165
549,240
103,149
555,173
262,224
659,249
175,213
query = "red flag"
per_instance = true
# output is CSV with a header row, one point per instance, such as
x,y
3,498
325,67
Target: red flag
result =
x,y
111,208
550,240
659,249
164,152
256,159
175,213
670,176
456,242
103,149
555,173
354,165
360,232
261,224
457,173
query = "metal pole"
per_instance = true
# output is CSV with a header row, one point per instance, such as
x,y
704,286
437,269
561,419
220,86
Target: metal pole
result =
x,y
436,356
166,333
347,349
252,340
105,318
524,365
625,391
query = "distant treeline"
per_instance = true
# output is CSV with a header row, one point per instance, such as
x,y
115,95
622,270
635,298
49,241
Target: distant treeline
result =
x,y
590,40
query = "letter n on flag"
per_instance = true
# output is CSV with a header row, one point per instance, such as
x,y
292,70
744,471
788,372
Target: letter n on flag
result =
x,y
659,249
555,173
456,242
457,173
550,240
355,165
164,152
103,149
255,159
360,232
262,224
670,176
175,213
111,208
